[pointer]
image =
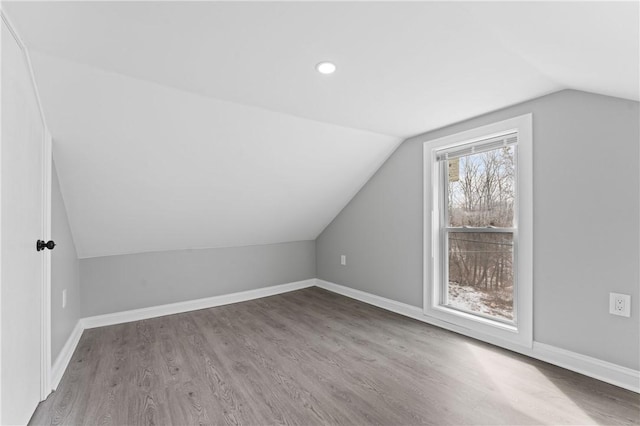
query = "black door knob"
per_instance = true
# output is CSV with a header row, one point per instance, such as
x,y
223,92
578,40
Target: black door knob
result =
x,y
41,245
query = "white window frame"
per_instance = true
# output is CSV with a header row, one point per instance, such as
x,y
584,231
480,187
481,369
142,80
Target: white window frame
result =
x,y
519,333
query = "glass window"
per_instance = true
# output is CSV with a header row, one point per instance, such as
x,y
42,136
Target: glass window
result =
x,y
479,200
478,231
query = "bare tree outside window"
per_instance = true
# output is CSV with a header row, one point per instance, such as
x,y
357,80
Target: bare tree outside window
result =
x,y
481,201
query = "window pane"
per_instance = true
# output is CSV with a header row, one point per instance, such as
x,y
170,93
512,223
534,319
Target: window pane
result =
x,y
481,273
482,189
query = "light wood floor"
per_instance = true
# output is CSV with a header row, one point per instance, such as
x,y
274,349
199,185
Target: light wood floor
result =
x,y
314,357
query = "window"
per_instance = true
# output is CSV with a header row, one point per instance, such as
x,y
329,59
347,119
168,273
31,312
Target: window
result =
x,y
478,189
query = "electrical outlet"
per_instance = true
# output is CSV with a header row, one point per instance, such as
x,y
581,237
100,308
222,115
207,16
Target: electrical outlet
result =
x,y
620,304
64,298
343,259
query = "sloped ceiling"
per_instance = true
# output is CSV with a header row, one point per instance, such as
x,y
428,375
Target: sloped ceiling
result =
x,y
204,124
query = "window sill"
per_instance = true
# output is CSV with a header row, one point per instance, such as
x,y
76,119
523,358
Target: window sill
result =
x,y
508,336
475,318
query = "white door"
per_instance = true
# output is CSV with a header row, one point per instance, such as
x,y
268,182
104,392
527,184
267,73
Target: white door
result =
x,y
22,171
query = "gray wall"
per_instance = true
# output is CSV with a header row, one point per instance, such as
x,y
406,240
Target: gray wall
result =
x,y
65,273
118,283
586,213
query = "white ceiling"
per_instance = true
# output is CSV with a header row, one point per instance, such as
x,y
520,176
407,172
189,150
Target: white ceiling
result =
x,y
403,68
204,124
145,167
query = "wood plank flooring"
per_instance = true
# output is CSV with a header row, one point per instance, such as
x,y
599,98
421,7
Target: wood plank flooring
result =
x,y
313,357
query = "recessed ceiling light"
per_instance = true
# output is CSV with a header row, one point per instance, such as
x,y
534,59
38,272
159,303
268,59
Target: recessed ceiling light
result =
x,y
326,67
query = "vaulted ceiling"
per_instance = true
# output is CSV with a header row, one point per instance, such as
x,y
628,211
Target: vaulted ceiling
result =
x,y
204,124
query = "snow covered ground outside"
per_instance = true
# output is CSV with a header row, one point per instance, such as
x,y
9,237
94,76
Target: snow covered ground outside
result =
x,y
494,303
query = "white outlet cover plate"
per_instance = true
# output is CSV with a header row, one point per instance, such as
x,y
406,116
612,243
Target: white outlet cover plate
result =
x,y
626,302
343,259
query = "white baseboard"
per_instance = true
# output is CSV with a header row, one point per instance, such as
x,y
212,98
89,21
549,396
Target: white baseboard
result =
x,y
192,305
602,370
63,358
62,361
607,372
593,367
372,299
412,312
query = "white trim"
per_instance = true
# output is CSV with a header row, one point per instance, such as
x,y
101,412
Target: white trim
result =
x,y
63,358
593,367
45,311
192,305
1,14
415,313
602,370
372,299
506,335
46,367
